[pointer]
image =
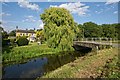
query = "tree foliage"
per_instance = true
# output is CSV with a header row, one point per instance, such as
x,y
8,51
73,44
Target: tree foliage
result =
x,y
59,28
40,35
22,41
3,33
5,40
12,33
90,29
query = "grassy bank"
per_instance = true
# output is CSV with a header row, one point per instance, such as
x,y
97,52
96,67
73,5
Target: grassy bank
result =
x,y
26,52
111,69
85,66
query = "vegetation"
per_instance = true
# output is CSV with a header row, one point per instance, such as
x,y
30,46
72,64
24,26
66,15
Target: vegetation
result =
x,y
12,40
59,28
59,32
12,33
5,40
19,53
40,36
90,30
22,41
111,69
83,67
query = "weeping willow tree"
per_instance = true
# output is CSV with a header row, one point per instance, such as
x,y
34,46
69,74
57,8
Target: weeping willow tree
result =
x,y
59,28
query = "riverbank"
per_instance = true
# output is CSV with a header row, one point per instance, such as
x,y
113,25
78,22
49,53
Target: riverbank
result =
x,y
84,67
111,69
17,54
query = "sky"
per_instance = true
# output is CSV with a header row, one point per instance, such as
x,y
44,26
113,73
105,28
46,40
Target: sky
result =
x,y
26,15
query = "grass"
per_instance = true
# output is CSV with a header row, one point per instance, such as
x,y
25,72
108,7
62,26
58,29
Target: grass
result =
x,y
17,54
84,64
111,69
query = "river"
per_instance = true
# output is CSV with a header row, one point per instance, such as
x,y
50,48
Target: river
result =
x,y
37,67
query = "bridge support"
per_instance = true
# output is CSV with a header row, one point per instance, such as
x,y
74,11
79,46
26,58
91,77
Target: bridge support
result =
x,y
95,49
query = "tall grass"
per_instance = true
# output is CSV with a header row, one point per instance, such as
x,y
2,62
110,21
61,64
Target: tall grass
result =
x,y
26,52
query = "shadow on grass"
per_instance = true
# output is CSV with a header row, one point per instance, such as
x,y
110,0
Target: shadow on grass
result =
x,y
6,49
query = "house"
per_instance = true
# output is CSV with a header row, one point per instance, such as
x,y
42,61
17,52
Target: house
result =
x,y
29,33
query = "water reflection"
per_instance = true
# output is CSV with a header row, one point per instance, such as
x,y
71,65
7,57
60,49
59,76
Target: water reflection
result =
x,y
39,66
30,69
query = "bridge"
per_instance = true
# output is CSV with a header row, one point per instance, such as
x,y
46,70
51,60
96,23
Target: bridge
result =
x,y
95,43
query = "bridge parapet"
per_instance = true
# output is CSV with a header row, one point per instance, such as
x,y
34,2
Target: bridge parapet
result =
x,y
93,45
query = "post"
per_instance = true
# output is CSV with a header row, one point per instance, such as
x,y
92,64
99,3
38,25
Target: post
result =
x,y
110,41
95,49
86,39
92,39
100,40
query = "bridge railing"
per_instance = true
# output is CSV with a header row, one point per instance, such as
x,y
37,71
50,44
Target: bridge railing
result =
x,y
99,40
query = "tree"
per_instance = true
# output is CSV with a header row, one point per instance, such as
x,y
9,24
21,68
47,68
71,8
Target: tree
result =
x,y
3,33
22,41
92,30
5,40
117,29
1,29
40,35
109,30
59,28
81,31
12,33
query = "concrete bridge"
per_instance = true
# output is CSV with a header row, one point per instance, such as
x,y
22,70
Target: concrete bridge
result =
x,y
96,43
93,45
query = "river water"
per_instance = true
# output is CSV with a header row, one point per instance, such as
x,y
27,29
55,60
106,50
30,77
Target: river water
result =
x,y
37,67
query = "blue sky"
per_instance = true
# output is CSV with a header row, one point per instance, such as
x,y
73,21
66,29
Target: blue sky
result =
x,y
26,15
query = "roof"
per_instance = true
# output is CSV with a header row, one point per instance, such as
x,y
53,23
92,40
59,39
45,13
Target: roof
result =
x,y
25,31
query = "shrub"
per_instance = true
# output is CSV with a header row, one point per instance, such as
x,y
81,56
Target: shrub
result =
x,y
22,41
5,42
12,41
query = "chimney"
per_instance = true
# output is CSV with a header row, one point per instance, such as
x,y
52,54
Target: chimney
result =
x,y
16,27
34,29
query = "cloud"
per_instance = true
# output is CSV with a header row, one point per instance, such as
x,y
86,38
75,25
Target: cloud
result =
x,y
75,8
29,19
115,12
49,0
98,12
26,4
97,5
4,0
41,26
4,14
112,1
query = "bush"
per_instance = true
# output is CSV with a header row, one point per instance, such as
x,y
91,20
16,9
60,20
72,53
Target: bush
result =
x,y
5,42
22,41
12,41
